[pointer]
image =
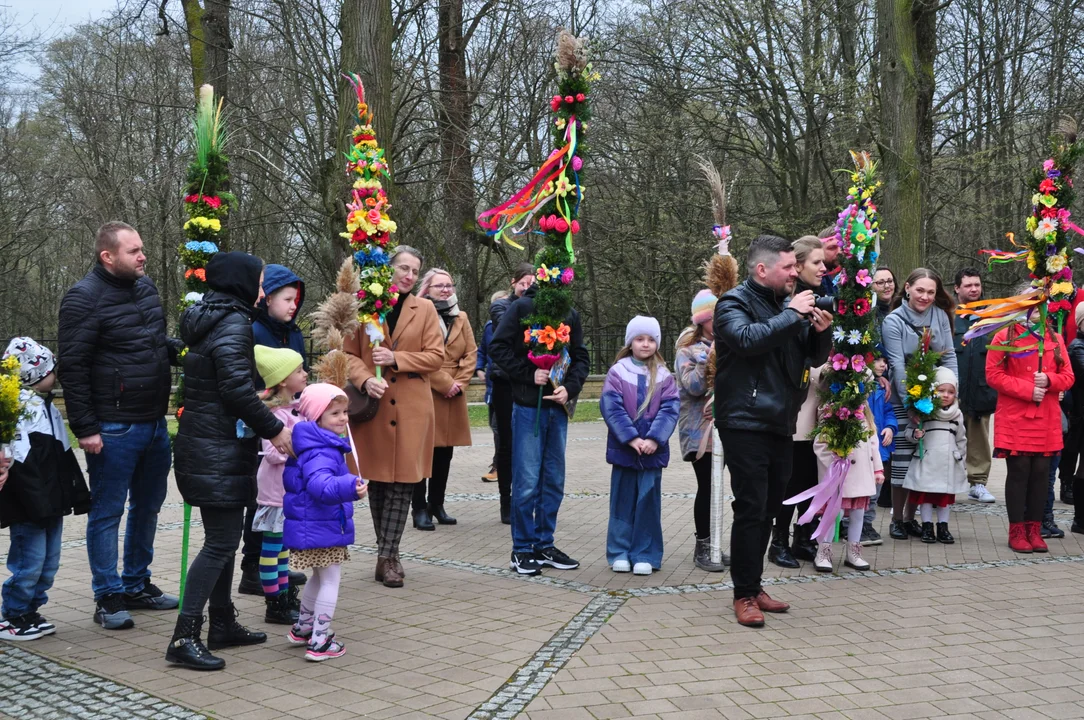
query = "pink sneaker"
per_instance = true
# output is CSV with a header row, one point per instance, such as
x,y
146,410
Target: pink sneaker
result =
x,y
330,649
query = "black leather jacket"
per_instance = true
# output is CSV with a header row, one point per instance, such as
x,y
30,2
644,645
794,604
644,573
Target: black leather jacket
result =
x,y
763,353
1076,360
976,396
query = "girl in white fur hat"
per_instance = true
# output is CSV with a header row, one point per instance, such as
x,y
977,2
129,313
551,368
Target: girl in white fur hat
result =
x,y
940,473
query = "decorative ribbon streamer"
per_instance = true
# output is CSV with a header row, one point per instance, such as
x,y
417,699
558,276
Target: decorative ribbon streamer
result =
x,y
184,554
827,499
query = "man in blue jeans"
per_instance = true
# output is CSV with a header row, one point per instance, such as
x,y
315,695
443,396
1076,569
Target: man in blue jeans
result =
x,y
114,364
538,459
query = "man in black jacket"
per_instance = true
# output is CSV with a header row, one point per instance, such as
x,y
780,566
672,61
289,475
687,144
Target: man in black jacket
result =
x,y
977,399
538,459
764,349
114,360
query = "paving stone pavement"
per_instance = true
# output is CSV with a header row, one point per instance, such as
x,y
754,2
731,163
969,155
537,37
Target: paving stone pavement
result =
x,y
933,631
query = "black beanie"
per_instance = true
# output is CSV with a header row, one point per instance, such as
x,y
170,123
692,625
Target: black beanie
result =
x,y
236,274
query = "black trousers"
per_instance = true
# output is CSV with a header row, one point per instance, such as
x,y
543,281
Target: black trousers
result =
x,y
210,576
760,466
253,542
437,483
501,401
803,475
1070,453
702,503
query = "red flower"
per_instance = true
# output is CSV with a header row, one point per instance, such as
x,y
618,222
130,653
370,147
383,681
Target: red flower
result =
x,y
1049,212
359,236
842,308
580,97
1047,186
861,306
869,358
555,103
569,99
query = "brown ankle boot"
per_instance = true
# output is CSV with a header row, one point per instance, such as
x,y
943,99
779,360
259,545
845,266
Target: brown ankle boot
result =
x,y
381,566
392,578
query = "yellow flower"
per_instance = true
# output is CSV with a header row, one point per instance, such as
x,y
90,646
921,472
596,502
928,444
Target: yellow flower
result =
x,y
1061,288
1055,263
376,289
563,186
1031,224
1035,199
1031,261
560,123
915,391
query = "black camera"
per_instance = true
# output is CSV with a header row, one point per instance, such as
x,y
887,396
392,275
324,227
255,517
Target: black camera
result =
x,y
827,303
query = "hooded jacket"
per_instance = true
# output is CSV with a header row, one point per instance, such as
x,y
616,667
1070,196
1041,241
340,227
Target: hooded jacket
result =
x,y
623,393
275,333
320,491
977,398
509,352
763,354
113,355
215,451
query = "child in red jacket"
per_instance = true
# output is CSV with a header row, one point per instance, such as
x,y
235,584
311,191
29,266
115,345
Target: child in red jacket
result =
x,y
1027,425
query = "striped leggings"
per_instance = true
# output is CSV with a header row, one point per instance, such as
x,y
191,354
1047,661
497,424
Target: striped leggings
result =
x,y
274,565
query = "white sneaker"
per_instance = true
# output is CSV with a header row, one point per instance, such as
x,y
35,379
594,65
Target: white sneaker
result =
x,y
852,557
981,494
823,561
621,566
641,569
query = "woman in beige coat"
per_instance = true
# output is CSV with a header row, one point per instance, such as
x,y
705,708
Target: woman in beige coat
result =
x,y
395,448
449,386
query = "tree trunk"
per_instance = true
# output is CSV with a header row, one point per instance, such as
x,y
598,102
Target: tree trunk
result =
x,y
216,46
453,126
907,47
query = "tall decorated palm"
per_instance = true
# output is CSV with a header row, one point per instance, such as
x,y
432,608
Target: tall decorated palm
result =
x,y
551,201
207,202
846,382
368,226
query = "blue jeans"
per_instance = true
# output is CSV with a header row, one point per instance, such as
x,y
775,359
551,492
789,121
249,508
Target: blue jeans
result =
x,y
132,467
538,475
33,559
635,530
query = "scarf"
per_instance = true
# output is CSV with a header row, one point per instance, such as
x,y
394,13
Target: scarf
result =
x,y
447,311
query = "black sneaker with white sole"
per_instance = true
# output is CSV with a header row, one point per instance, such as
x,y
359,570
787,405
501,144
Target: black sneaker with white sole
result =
x,y
555,559
19,628
525,563
870,536
110,613
46,627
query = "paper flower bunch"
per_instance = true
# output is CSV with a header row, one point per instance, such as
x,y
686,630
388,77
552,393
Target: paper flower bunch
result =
x,y
846,382
368,226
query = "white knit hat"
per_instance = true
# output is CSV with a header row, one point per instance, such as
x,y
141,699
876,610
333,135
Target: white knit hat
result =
x,y
36,360
944,376
643,325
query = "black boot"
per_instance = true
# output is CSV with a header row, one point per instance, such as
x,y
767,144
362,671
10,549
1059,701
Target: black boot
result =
x,y
804,547
250,577
1067,491
278,610
927,535
422,521
186,648
943,534
438,514
225,631
506,510
295,597
779,550
702,557
1050,529
297,578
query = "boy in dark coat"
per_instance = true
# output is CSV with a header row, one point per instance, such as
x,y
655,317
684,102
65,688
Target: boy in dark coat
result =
x,y
44,484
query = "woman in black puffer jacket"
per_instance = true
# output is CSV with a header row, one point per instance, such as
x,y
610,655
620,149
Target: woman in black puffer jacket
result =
x,y
215,451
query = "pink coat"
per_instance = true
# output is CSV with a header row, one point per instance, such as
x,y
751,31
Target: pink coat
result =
x,y
269,476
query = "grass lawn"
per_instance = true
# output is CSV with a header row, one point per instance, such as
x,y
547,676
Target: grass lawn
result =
x,y
586,411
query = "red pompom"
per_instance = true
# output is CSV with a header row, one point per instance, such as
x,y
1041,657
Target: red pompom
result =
x,y
569,99
580,97
560,225
575,226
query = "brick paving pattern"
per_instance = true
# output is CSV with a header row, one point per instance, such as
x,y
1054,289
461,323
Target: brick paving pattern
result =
x,y
964,630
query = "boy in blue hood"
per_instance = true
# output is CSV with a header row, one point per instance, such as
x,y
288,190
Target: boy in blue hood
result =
x,y
274,326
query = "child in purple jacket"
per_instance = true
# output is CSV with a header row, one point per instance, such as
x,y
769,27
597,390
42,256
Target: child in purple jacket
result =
x,y
640,406
319,509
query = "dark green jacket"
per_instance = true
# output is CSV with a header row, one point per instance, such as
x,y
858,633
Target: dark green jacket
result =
x,y
976,397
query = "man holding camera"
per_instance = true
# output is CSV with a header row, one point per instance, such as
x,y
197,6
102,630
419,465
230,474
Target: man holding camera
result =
x,y
764,349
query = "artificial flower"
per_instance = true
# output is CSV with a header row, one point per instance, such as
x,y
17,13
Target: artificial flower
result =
x,y
861,306
838,334
841,308
567,275
563,186
1036,198
844,413
841,277
854,337
835,388
1048,186
839,361
863,278
1031,223
1048,200
1061,288
563,333
858,363
860,414
376,289
1031,261
548,337
560,123
914,390
1056,263
924,406
1045,227
1048,164
866,337
193,297
527,336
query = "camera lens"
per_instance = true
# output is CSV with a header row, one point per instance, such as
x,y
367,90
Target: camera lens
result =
x,y
826,303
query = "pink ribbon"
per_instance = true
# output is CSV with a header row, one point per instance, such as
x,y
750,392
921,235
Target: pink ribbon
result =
x,y
827,499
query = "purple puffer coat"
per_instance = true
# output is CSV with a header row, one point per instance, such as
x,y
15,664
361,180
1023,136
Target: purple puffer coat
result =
x,y
622,394
320,491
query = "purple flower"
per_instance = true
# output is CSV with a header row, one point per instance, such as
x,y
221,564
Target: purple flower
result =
x,y
1051,249
1053,174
